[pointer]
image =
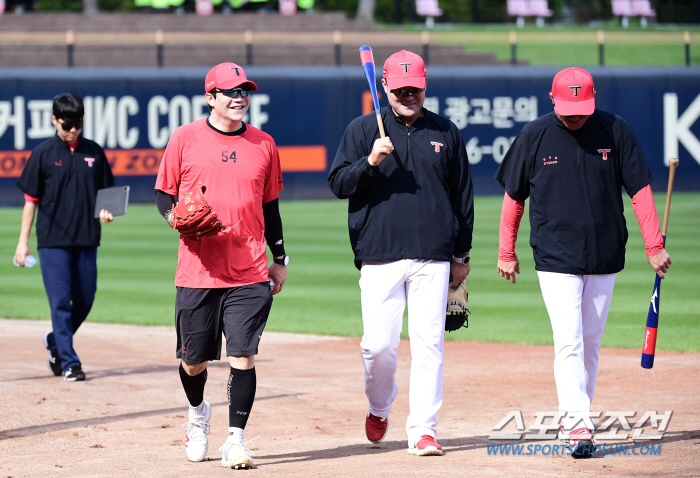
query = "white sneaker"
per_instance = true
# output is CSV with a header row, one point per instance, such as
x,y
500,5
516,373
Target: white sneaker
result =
x,y
197,428
236,456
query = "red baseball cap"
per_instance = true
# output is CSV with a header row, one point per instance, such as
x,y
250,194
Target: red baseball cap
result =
x,y
573,92
226,76
405,68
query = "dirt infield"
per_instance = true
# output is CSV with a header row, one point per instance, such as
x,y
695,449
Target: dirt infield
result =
x,y
125,419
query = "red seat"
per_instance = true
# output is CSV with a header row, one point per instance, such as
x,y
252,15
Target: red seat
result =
x,y
519,8
428,8
622,8
642,8
539,8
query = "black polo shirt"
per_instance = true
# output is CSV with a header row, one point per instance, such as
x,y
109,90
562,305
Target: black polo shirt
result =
x,y
574,180
418,203
66,184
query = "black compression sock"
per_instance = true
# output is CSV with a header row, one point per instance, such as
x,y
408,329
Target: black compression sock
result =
x,y
194,386
241,395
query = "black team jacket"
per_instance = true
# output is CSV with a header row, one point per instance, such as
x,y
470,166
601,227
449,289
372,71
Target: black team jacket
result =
x,y
66,184
419,202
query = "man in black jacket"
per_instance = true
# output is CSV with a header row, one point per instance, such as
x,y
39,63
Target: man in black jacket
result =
x,y
410,217
61,179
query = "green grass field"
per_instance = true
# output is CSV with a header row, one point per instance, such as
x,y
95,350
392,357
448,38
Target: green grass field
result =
x,y
138,257
562,45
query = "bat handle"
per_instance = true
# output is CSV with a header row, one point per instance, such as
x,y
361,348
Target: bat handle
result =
x,y
381,125
672,165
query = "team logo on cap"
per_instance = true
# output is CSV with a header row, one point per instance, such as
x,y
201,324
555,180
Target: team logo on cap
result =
x,y
405,66
575,88
236,68
605,153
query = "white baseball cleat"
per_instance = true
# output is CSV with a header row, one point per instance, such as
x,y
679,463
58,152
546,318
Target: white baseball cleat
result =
x,y
236,455
197,428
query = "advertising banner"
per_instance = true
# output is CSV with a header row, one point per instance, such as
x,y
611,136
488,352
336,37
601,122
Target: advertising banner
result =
x,y
132,112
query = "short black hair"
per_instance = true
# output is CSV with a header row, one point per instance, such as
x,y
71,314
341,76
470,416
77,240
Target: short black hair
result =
x,y
68,106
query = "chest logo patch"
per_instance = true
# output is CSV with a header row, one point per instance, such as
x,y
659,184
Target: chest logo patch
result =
x,y
58,163
437,146
90,161
549,160
604,152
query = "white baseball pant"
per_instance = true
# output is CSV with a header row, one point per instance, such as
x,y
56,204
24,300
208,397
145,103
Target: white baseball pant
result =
x,y
578,310
385,289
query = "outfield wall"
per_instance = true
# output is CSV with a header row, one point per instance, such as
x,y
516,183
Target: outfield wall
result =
x,y
131,112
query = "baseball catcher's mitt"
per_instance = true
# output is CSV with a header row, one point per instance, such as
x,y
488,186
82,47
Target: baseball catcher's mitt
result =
x,y
193,217
457,312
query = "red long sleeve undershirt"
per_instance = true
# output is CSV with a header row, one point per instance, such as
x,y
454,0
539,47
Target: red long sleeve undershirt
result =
x,y
511,214
642,204
645,210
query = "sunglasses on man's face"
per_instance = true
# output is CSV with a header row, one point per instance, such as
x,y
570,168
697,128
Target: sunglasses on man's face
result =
x,y
408,91
234,92
68,125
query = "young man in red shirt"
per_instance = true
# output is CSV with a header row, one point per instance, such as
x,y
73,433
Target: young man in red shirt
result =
x,y
222,281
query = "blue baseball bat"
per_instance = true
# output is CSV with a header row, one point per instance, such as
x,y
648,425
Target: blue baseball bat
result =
x,y
649,347
368,66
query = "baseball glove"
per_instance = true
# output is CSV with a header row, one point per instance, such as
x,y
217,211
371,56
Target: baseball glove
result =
x,y
457,312
193,217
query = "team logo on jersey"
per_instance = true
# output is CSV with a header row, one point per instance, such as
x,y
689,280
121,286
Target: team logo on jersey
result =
x,y
405,66
236,69
605,153
58,163
549,160
437,146
575,88
90,161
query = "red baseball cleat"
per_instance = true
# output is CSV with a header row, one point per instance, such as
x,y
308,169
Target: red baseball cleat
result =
x,y
581,443
426,446
376,428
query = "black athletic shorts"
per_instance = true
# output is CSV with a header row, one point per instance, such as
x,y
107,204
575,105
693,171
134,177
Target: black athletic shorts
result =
x,y
202,315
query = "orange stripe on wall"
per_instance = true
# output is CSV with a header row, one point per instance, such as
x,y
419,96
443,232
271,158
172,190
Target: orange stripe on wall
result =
x,y
134,162
368,102
144,162
296,159
12,163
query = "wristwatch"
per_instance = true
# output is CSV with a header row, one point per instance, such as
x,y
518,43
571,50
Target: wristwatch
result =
x,y
283,261
461,260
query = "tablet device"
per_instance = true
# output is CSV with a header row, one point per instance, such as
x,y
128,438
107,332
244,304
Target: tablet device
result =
x,y
114,200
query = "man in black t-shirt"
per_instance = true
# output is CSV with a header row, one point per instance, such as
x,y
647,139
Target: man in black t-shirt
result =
x,y
61,179
572,164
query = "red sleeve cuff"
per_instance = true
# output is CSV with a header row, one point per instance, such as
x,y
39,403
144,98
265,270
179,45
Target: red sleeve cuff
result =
x,y
31,199
511,214
645,210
